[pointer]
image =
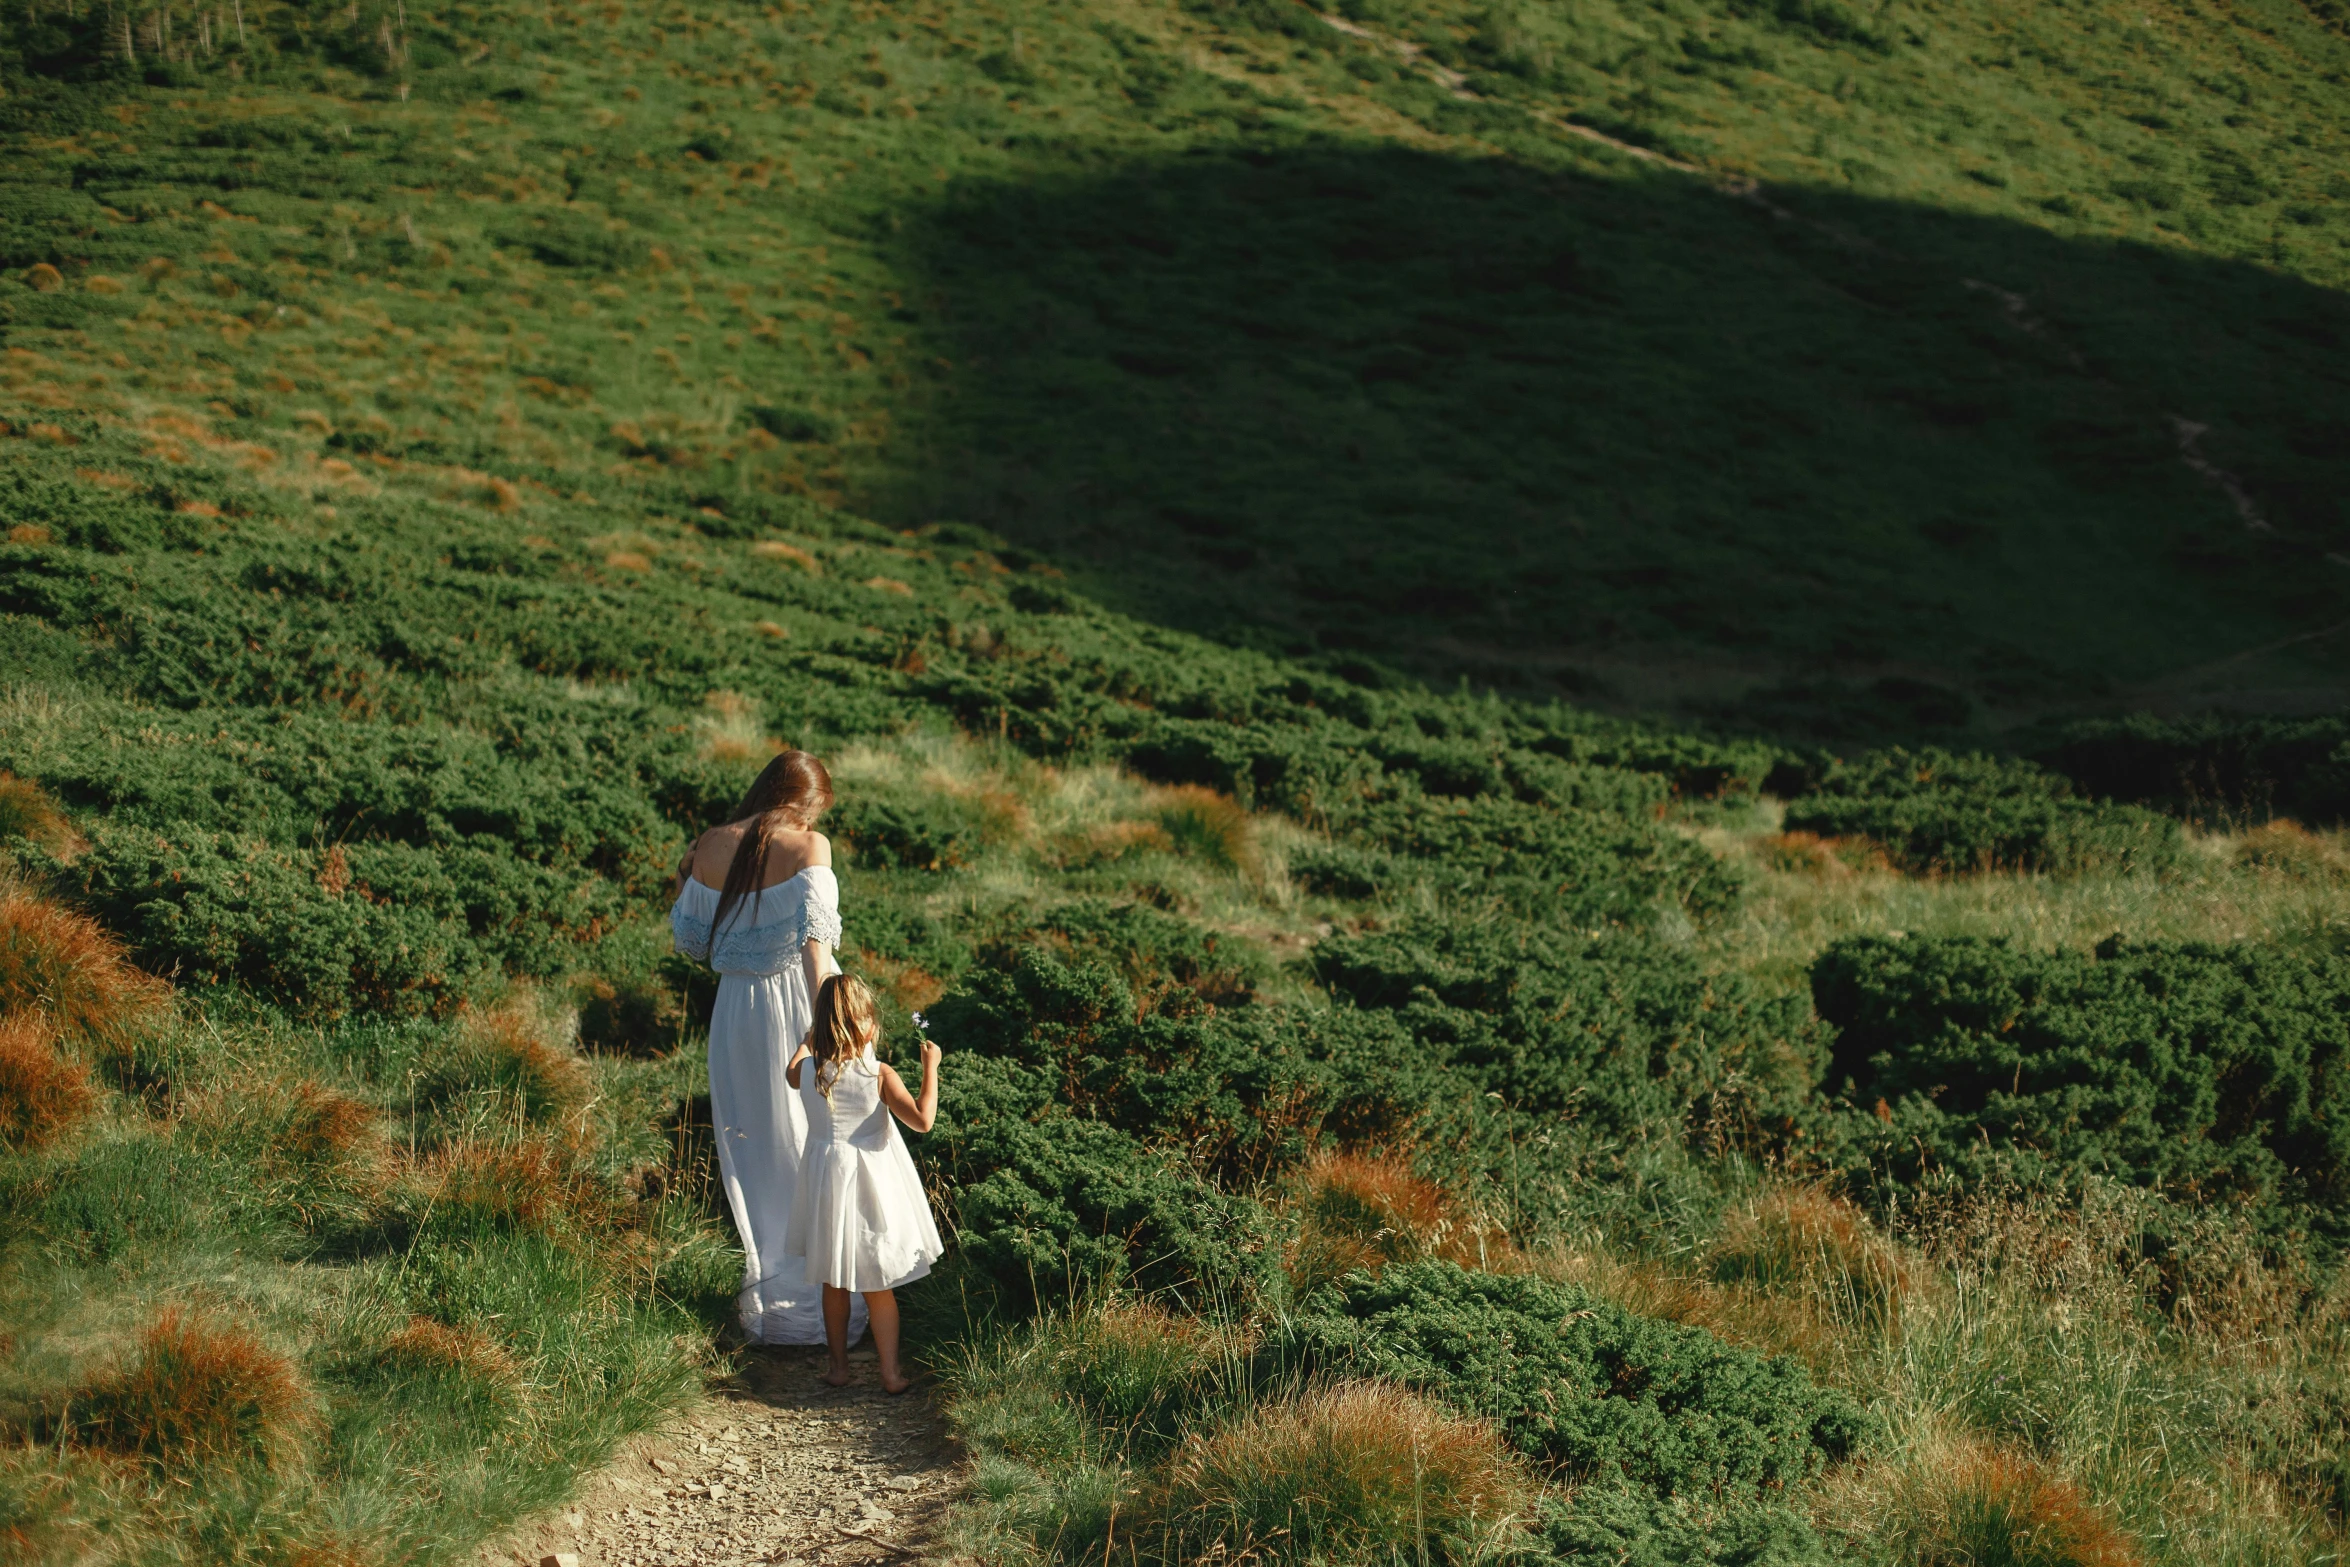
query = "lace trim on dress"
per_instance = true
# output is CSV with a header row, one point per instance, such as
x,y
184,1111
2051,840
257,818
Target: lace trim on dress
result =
x,y
767,948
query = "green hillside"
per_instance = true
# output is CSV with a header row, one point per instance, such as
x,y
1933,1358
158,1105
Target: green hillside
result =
x,y
1611,740
1242,313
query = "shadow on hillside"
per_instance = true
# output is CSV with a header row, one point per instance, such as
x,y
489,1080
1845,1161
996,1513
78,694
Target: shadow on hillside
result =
x,y
1631,437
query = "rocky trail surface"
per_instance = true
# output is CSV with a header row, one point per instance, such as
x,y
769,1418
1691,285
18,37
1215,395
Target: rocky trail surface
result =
x,y
775,1467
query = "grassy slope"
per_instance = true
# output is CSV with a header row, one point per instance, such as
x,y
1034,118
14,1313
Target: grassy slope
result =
x,y
402,442
1244,318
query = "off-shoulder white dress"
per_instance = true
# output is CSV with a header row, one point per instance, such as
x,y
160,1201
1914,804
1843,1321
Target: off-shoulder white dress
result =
x,y
859,1217
761,1126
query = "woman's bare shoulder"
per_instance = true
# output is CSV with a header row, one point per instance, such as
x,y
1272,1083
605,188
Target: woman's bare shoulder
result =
x,y
795,850
713,849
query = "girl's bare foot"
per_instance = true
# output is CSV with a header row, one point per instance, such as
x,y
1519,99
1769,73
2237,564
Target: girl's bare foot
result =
x,y
838,1376
891,1383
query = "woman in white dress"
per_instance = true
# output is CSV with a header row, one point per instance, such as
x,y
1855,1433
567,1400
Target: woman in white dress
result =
x,y
756,899
860,1217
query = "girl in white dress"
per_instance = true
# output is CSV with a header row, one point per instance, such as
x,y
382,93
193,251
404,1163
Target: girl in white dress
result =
x,y
859,1216
756,899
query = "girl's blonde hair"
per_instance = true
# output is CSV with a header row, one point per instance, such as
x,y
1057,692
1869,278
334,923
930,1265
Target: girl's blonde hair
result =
x,y
845,1020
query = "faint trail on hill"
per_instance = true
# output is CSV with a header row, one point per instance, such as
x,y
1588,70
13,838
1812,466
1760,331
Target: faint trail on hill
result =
x,y
2013,307
775,1467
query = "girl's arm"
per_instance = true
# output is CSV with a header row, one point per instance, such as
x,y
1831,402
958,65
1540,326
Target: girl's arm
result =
x,y
917,1114
791,1073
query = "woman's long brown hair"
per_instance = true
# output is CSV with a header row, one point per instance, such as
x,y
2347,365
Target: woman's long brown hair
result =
x,y
844,1017
790,792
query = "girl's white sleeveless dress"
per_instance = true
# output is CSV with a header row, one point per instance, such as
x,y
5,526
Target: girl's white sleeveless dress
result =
x,y
761,1127
860,1217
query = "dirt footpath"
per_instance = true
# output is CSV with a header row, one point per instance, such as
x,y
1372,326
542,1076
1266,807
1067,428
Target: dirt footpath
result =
x,y
775,1468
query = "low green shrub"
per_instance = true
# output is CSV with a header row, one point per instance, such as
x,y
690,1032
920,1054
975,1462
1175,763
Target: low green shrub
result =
x,y
884,834
1616,1032
1577,1381
1574,867
2225,771
2210,1074
375,927
1158,952
1618,1525
1243,1090
1940,812
1047,1210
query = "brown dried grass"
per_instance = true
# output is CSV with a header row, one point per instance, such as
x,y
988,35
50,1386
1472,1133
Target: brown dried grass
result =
x,y
1207,826
493,1185
1113,841
730,730
63,966
2286,848
315,1150
43,1093
513,1050
1357,1472
1801,854
908,984
776,549
426,1345
28,813
198,1390
1962,1503
1800,1242
1367,1210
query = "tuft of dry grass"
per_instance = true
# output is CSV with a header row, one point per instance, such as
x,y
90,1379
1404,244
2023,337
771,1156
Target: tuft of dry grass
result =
x,y
28,813
1800,1242
426,1345
1358,1472
1963,1503
311,1151
43,1093
63,966
196,1391
2286,848
1366,1210
730,731
515,1052
776,549
908,984
1109,842
494,1185
1207,826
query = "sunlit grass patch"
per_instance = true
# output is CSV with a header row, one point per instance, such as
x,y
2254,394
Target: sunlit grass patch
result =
x,y
1962,1503
2277,883
1359,1472
198,1389
510,1063
44,1093
28,813
1802,1243
302,1149
479,1184
66,968
729,729
1366,1210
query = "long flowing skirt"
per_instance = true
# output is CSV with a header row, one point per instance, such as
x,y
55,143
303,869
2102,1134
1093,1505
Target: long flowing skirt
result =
x,y
762,1131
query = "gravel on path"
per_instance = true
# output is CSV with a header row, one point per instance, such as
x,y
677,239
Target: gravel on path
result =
x,y
774,1467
